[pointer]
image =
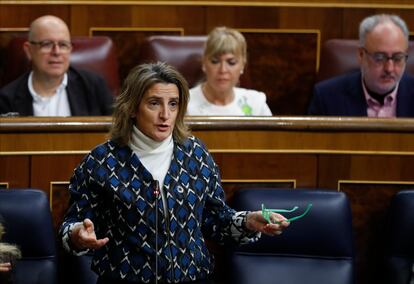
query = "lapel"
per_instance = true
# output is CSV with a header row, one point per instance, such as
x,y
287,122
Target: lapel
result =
x,y
23,99
356,104
76,94
405,100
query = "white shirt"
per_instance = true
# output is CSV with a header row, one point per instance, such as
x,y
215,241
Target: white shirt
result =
x,y
155,156
55,105
246,103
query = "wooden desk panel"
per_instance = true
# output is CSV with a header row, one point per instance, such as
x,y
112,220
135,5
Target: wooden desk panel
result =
x,y
14,171
369,159
365,167
48,169
264,166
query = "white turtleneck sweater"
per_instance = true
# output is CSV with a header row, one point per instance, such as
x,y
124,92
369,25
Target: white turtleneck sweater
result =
x,y
155,156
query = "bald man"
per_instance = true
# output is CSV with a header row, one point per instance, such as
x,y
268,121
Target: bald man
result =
x,y
380,88
53,87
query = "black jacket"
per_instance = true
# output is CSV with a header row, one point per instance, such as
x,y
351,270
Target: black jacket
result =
x,y
88,94
344,96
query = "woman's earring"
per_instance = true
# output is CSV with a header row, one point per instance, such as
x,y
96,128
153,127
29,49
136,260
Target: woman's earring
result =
x,y
242,71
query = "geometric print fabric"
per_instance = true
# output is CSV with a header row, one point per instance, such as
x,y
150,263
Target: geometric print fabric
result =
x,y
112,188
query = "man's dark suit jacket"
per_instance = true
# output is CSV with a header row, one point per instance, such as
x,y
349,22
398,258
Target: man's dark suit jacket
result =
x,y
344,96
88,94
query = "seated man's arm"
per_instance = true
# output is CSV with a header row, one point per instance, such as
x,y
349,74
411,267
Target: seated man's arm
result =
x,y
316,106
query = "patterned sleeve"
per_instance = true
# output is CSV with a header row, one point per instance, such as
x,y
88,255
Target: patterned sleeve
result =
x,y
80,205
222,223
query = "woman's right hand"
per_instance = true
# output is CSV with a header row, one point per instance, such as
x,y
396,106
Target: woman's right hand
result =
x,y
83,236
5,266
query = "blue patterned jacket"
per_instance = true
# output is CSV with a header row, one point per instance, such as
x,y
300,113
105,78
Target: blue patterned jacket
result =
x,y
114,190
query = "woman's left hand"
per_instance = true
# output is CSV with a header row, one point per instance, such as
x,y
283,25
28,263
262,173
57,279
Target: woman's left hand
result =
x,y
256,222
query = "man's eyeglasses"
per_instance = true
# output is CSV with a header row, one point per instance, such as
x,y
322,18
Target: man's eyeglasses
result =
x,y
266,213
47,45
379,58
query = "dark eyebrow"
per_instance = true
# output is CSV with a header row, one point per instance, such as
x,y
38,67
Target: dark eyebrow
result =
x,y
156,97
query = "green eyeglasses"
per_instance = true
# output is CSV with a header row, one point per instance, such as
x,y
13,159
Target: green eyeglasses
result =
x,y
266,213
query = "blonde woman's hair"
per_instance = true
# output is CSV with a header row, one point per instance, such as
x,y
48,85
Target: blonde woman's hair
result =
x,y
139,80
223,40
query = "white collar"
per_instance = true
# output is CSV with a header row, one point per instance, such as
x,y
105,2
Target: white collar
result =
x,y
143,144
36,96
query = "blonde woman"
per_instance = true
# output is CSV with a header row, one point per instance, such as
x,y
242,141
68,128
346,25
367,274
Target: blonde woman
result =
x,y
224,60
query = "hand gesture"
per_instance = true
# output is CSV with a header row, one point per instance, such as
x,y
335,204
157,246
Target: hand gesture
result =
x,y
83,236
256,222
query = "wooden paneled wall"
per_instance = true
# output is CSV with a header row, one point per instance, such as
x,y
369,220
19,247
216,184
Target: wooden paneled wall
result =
x,y
284,38
334,19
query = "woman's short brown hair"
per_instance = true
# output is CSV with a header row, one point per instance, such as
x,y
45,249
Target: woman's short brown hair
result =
x,y
139,80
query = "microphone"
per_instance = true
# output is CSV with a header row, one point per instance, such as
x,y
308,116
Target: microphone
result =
x,y
156,194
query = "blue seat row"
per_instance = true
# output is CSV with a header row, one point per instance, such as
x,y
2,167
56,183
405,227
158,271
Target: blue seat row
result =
x,y
315,249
